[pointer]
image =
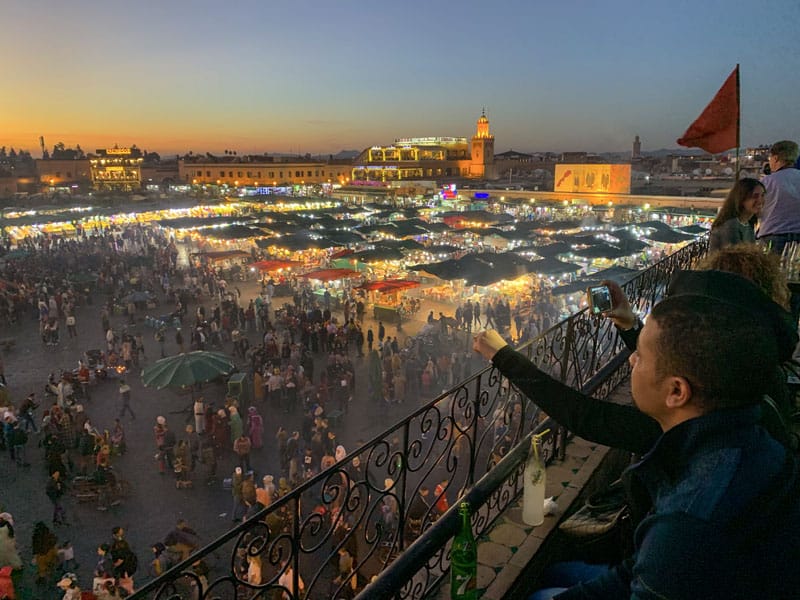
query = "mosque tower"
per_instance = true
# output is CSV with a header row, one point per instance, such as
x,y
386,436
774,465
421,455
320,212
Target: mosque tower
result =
x,y
482,157
637,149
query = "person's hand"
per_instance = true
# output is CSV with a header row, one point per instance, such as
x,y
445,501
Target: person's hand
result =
x,y
487,343
622,314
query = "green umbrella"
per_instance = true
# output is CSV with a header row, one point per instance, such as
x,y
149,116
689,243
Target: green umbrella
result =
x,y
187,369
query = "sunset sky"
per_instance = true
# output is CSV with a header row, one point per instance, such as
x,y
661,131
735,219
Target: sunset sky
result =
x,y
320,76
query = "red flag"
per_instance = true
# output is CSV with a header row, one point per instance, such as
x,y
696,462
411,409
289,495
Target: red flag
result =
x,y
717,127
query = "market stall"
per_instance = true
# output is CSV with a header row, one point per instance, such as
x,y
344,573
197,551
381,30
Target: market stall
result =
x,y
330,281
385,295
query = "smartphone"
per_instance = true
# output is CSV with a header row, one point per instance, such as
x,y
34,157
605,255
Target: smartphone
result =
x,y
600,299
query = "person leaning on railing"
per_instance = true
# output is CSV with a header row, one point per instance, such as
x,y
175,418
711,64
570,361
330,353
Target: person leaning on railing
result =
x,y
780,217
725,520
737,217
749,261
779,222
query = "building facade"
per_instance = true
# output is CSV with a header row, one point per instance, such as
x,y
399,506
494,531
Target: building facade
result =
x,y
238,171
117,169
429,158
56,172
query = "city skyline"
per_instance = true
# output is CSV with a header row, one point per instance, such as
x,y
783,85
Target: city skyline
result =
x,y
320,78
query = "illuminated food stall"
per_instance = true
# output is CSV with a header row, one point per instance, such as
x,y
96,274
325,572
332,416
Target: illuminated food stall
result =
x,y
334,281
384,295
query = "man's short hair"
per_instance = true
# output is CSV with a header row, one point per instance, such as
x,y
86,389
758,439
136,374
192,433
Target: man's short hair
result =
x,y
724,351
786,150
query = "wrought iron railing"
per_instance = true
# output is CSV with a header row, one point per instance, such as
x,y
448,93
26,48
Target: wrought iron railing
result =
x,y
366,504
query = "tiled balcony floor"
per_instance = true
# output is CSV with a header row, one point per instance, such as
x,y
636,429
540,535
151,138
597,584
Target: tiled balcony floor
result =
x,y
505,551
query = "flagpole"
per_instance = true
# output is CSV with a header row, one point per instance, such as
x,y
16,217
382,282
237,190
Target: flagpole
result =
x,y
738,122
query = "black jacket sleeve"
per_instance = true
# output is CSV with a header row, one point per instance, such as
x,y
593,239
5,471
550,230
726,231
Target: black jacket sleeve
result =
x,y
630,337
617,425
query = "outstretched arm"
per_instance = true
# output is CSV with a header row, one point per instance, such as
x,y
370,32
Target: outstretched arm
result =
x,y
607,423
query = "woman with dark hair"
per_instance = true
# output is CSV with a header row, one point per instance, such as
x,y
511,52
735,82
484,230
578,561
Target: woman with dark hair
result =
x,y
736,220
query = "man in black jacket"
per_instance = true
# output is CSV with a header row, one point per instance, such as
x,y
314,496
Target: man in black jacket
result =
x,y
725,519
123,558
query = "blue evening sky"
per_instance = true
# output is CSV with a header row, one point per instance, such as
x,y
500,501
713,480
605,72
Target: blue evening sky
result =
x,y
323,75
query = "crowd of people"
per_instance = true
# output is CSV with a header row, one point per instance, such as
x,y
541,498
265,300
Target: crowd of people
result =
x,y
302,359
308,362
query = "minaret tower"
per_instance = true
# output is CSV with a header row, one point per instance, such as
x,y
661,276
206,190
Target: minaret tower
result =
x,y
482,157
637,149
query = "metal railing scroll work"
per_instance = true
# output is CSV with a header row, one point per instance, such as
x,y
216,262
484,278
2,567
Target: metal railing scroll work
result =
x,y
383,517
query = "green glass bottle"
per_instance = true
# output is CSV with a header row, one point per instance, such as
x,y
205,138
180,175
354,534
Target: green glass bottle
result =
x,y
464,560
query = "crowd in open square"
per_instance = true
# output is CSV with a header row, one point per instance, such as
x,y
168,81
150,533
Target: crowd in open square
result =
x,y
161,386
98,468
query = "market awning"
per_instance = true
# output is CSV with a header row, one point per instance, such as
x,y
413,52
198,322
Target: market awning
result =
x,y
616,273
275,265
407,244
342,253
559,225
331,274
553,266
343,237
667,236
231,232
436,227
474,216
603,251
378,254
389,285
550,250
480,269
297,242
694,229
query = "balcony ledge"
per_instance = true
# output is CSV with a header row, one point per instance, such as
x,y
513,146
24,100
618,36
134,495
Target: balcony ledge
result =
x,y
511,555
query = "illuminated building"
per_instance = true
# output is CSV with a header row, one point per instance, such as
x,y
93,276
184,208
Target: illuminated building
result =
x,y
482,158
260,171
593,178
117,169
429,158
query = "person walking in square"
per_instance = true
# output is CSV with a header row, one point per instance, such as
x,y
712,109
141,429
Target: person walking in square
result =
x,y
179,340
125,399
19,438
242,446
26,412
55,491
255,427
